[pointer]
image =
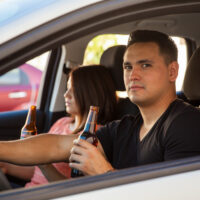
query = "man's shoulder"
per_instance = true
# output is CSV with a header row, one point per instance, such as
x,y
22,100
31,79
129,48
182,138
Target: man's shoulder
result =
x,y
127,119
181,114
186,111
122,123
180,107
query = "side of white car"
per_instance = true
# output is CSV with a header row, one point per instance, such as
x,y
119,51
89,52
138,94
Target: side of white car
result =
x,y
71,25
182,186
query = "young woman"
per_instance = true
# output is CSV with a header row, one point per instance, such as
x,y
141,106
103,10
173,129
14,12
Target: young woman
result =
x,y
86,86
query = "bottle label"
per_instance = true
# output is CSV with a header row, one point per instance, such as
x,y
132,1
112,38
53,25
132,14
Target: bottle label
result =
x,y
91,138
26,134
76,173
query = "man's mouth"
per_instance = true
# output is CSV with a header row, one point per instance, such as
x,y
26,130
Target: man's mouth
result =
x,y
135,87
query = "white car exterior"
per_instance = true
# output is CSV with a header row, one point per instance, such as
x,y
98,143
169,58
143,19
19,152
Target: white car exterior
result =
x,y
164,188
24,24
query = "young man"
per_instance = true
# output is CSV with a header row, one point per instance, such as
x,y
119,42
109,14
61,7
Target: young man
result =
x,y
165,129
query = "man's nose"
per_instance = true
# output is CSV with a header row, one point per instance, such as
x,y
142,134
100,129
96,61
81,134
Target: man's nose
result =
x,y
135,73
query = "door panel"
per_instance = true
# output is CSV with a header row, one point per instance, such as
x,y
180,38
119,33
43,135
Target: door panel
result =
x,y
12,122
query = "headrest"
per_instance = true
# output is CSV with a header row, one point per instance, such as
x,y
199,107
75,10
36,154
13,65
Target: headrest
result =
x,y
112,58
191,83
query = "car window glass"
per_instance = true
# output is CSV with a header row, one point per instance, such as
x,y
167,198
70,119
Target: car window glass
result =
x,y
100,43
10,78
19,87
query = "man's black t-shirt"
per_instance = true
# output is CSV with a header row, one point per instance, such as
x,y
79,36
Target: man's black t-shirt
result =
x,y
176,134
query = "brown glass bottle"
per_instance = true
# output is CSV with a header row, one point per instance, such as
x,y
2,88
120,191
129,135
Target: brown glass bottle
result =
x,y
29,127
88,134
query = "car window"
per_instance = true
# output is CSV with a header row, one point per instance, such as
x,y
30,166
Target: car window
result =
x,y
100,43
11,77
19,87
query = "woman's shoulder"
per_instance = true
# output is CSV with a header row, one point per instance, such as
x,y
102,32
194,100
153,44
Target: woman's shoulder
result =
x,y
61,125
64,120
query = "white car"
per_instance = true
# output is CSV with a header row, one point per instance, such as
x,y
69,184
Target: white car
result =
x,y
62,29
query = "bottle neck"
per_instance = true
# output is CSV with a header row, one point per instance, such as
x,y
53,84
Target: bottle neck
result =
x,y
91,123
31,117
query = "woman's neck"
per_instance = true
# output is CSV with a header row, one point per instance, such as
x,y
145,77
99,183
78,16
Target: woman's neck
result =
x,y
75,123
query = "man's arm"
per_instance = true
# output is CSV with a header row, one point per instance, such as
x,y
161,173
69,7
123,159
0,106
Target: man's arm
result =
x,y
89,159
40,149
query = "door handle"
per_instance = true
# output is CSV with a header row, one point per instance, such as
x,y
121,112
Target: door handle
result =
x,y
17,95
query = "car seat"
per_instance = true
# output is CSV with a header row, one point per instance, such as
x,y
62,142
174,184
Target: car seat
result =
x,y
112,58
191,83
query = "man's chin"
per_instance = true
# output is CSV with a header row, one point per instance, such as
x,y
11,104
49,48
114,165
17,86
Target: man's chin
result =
x,y
138,101
135,99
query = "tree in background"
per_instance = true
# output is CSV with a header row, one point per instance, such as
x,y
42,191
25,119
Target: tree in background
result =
x,y
97,46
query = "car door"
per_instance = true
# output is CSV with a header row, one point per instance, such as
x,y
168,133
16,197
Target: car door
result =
x,y
64,30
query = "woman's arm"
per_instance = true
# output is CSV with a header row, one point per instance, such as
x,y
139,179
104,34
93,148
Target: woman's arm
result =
x,y
22,172
51,173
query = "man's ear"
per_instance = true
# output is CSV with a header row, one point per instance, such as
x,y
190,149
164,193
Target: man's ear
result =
x,y
173,71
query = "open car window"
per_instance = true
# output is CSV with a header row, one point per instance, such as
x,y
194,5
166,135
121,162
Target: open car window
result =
x,y
19,87
100,43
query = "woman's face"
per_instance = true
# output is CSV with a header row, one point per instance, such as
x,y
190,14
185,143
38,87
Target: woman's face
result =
x,y
70,102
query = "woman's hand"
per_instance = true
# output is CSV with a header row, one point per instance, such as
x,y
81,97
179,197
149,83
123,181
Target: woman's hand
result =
x,y
3,167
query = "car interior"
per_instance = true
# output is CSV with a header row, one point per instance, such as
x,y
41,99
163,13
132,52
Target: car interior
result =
x,y
69,52
112,58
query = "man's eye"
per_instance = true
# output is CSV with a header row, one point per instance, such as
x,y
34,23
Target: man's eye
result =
x,y
127,67
146,65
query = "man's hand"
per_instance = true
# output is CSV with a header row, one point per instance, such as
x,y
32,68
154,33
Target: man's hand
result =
x,y
88,159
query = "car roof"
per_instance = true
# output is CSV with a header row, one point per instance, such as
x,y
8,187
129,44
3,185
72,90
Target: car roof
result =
x,y
19,14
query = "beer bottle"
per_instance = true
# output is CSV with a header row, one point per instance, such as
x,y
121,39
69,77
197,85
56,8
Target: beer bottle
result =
x,y
88,134
29,127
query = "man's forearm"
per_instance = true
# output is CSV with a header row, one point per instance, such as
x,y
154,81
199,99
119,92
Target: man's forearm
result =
x,y
41,149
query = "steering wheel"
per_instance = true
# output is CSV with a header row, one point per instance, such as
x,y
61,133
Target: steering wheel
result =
x,y
4,183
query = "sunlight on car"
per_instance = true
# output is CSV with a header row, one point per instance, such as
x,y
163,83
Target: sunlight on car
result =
x,y
40,61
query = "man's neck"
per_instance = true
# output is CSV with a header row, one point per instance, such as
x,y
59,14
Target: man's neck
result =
x,y
152,113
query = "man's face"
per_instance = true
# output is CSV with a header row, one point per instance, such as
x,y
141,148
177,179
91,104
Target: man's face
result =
x,y
147,77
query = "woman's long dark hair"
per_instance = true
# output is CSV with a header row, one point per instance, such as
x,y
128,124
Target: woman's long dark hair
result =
x,y
93,85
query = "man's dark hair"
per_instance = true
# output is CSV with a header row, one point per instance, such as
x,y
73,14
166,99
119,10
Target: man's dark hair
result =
x,y
166,45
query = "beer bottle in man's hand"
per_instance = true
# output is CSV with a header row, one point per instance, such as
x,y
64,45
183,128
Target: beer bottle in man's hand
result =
x,y
88,134
29,127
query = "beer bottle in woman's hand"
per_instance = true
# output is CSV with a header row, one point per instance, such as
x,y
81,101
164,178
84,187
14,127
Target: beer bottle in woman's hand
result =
x,y
88,133
29,128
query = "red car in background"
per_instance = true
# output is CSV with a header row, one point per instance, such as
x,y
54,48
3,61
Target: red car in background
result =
x,y
19,88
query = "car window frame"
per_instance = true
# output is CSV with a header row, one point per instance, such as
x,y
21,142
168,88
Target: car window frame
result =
x,y
98,182
34,51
